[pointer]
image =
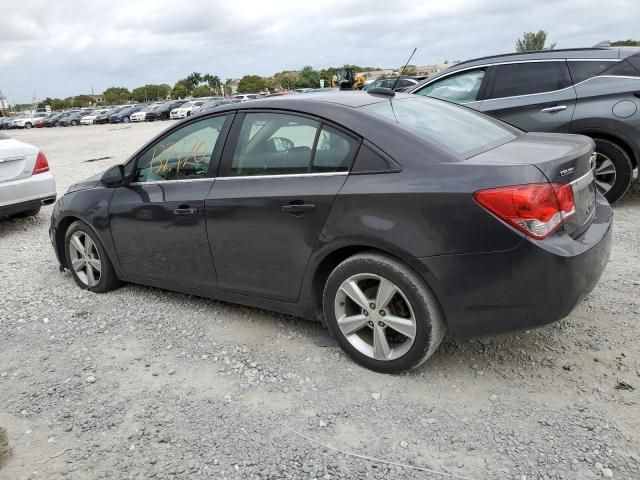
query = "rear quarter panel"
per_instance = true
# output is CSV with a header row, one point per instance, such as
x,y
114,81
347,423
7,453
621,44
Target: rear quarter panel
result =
x,y
598,98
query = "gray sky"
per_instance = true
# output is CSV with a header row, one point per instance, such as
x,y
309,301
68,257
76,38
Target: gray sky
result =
x,y
62,48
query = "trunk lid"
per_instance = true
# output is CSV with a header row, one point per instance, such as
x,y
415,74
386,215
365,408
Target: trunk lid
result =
x,y
562,159
17,159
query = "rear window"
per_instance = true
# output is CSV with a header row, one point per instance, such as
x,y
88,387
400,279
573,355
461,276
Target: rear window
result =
x,y
582,70
515,79
457,129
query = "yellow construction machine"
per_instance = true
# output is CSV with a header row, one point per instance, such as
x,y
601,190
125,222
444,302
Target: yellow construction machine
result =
x,y
347,79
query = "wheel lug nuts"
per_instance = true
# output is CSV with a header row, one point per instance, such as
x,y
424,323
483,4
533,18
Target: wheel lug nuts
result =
x,y
371,324
381,324
365,313
382,313
372,306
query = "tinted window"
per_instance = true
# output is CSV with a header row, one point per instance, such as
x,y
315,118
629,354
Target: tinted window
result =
x,y
334,151
460,88
527,78
622,68
635,61
274,144
582,70
183,154
450,127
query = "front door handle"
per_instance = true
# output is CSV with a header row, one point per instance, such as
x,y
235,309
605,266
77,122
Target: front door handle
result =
x,y
555,109
298,209
185,211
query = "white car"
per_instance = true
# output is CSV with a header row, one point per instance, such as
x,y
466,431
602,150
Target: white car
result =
x,y
246,97
184,110
25,180
28,120
141,115
88,119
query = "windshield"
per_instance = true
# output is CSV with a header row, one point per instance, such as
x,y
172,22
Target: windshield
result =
x,y
458,129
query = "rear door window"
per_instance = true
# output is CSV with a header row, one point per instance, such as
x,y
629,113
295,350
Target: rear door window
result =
x,y
334,151
582,70
515,79
274,144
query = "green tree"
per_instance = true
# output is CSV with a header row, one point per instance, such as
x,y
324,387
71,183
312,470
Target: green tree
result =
x,y
214,83
308,78
150,92
284,81
251,84
201,91
531,41
114,95
626,43
83,101
193,80
180,90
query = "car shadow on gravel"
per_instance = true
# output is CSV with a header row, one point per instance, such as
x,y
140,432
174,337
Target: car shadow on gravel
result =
x,y
5,449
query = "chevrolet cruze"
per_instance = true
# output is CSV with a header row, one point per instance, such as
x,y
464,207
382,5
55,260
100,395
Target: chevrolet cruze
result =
x,y
392,218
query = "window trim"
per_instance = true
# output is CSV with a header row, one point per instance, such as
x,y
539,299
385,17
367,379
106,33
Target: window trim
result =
x,y
216,153
226,159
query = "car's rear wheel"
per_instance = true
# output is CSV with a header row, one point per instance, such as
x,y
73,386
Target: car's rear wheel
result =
x,y
125,119
382,313
28,125
73,123
88,260
614,170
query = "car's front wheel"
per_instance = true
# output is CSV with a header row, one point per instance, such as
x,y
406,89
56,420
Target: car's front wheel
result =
x,y
614,170
382,313
88,260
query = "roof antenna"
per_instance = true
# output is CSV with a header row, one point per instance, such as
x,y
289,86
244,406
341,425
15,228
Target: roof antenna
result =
x,y
403,69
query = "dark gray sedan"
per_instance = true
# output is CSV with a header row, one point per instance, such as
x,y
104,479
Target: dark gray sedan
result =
x,y
390,218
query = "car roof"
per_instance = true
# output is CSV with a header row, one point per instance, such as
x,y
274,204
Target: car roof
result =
x,y
566,53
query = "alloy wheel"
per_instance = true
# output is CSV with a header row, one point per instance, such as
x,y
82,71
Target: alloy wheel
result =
x,y
85,258
605,173
375,316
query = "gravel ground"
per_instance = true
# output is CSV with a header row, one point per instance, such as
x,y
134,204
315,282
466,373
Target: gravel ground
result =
x,y
144,383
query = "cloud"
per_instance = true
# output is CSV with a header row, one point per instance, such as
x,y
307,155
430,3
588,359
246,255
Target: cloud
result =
x,y
67,47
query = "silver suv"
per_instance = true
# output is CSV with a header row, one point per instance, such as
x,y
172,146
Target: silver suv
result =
x,y
592,91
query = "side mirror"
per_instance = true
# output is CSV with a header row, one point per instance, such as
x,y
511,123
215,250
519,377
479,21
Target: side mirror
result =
x,y
114,177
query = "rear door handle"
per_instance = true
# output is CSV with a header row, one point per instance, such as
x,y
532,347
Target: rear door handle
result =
x,y
555,109
298,208
185,211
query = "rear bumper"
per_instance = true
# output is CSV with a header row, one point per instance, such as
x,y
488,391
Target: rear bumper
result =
x,y
27,194
531,285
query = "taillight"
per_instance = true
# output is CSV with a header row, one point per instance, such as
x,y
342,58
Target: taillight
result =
x,y
536,209
41,164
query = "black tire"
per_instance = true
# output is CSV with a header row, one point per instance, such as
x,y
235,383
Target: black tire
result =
x,y
27,213
28,125
108,280
623,167
125,119
429,319
73,123
164,116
